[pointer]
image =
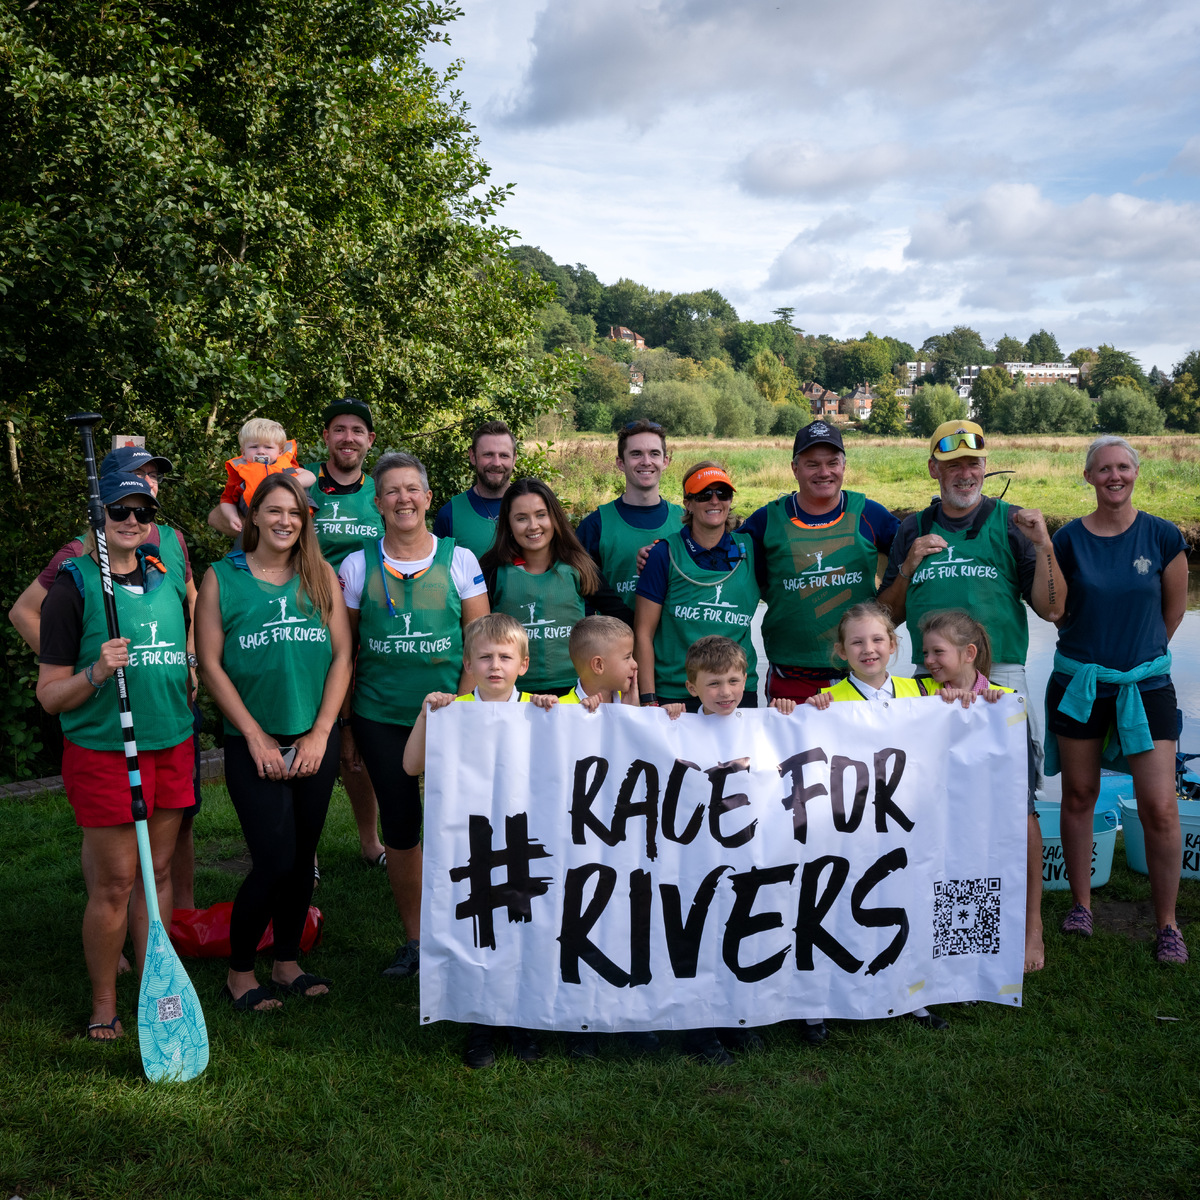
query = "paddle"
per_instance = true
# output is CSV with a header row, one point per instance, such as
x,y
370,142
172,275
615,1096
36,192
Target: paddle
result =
x,y
171,1030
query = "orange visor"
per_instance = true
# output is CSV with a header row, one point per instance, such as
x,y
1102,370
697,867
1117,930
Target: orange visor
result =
x,y
706,478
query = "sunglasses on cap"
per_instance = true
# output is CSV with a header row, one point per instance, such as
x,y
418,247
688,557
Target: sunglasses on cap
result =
x,y
955,441
119,513
718,492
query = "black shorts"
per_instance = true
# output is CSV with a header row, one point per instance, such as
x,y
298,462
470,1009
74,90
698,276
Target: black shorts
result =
x,y
1160,705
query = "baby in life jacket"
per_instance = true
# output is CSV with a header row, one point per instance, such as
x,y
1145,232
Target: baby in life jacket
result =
x,y
265,451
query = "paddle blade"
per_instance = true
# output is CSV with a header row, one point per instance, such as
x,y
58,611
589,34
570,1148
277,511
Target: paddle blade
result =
x,y
171,1029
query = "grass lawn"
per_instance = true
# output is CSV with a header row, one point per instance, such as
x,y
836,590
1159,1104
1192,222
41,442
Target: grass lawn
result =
x,y
1085,1092
1049,473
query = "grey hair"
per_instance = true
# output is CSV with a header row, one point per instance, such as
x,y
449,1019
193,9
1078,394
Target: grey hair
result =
x,y
395,460
1103,443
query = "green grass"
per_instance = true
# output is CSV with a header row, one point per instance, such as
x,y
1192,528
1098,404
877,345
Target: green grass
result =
x,y
1083,1092
1049,473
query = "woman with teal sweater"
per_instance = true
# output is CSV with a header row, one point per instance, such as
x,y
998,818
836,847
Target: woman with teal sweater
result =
x,y
1126,574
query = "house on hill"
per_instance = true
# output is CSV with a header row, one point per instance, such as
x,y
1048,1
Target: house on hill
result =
x,y
618,333
822,400
857,405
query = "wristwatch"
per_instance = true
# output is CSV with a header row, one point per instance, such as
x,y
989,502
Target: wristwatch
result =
x,y
191,661
648,699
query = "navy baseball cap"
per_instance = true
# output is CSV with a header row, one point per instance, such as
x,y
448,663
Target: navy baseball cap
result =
x,y
116,486
125,460
817,433
348,406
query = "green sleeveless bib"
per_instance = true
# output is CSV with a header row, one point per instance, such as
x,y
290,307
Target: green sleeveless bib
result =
x,y
413,649
716,602
620,543
157,674
813,576
277,652
344,523
978,574
548,605
471,530
169,551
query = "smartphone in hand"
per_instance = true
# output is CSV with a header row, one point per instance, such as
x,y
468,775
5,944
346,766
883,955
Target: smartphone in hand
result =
x,y
289,756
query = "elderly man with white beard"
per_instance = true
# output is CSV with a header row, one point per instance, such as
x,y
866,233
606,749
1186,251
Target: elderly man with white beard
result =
x,y
974,552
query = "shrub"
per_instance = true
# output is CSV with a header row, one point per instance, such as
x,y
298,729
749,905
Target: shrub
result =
x,y
790,419
930,406
682,409
1128,410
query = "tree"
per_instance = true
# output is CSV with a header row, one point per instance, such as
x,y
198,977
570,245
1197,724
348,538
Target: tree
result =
x,y
215,210
1085,355
1042,347
961,347
533,259
930,406
1128,410
745,339
1111,363
1189,366
1054,408
773,379
866,361
602,390
1008,349
682,409
987,389
1180,402
887,417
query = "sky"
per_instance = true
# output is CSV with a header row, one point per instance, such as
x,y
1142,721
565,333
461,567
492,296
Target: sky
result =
x,y
887,165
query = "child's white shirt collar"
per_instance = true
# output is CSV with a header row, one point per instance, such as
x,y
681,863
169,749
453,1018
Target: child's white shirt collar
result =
x,y
512,699
886,692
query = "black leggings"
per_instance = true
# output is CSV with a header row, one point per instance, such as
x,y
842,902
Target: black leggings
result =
x,y
381,747
282,824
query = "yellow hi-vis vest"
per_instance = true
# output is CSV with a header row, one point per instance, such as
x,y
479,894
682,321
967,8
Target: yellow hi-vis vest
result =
x,y
905,689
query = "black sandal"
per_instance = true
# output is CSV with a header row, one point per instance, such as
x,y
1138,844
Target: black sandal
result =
x,y
300,985
247,1001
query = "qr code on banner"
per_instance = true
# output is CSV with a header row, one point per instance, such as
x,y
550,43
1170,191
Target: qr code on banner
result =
x,y
966,917
170,1008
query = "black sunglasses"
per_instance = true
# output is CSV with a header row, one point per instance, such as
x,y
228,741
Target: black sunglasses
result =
x,y
651,426
119,513
712,493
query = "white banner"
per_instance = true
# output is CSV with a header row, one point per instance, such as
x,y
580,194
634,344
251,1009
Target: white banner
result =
x,y
621,871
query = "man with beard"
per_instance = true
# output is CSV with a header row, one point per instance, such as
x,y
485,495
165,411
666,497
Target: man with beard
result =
x,y
974,552
470,517
345,516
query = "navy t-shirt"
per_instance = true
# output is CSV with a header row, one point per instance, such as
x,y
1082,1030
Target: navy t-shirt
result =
x,y
636,516
875,524
1114,611
652,582
443,522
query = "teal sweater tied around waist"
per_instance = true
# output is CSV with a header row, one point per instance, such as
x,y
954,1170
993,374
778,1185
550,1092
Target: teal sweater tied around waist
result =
x,y
1133,730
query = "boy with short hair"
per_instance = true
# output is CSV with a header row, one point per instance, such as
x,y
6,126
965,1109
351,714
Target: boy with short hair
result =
x,y
601,650
265,451
716,674
496,655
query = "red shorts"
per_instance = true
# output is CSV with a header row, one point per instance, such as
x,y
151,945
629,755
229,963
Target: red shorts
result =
x,y
780,687
97,782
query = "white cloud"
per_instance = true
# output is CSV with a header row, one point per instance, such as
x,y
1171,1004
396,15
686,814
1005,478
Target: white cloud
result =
x,y
806,169
1187,161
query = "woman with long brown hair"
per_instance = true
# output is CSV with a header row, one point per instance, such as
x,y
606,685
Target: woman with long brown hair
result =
x,y
538,572
274,647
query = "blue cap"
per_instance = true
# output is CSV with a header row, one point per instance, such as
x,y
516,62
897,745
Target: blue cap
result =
x,y
114,487
125,460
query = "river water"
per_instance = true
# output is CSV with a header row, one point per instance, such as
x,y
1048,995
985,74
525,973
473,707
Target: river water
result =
x,y
1185,671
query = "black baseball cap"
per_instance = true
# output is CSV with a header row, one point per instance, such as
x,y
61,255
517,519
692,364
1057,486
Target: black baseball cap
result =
x,y
126,460
815,433
348,406
115,486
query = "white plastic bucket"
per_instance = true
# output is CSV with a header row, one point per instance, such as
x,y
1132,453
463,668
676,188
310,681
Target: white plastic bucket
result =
x,y
1135,838
1054,866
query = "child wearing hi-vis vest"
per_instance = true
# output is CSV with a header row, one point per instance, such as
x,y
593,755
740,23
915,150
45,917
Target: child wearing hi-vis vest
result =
x,y
495,655
265,451
866,641
958,656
